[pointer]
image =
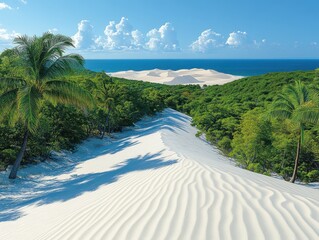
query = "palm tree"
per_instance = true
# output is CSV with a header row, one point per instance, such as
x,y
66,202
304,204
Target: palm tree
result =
x,y
297,104
109,103
44,64
102,91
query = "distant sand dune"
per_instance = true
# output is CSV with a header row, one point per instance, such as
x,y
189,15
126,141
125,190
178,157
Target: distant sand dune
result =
x,y
153,74
157,181
198,76
186,79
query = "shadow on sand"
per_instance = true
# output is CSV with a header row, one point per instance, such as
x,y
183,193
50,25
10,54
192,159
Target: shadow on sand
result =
x,y
71,188
58,190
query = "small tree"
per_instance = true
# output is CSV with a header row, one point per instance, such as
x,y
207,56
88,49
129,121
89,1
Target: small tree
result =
x,y
103,91
297,104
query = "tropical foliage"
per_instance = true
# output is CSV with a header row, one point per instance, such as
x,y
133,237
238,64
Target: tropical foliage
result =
x,y
298,105
42,63
234,116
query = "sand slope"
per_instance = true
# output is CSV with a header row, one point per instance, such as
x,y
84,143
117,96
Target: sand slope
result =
x,y
156,181
180,77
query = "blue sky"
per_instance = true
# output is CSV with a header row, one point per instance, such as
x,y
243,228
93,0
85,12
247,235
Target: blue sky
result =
x,y
171,28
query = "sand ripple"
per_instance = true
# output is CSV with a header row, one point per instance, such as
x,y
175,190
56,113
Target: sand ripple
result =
x,y
186,198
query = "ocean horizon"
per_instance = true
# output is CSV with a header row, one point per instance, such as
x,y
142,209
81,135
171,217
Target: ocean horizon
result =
x,y
240,67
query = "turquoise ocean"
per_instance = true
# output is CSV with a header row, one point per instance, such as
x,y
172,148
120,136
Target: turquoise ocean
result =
x,y
239,67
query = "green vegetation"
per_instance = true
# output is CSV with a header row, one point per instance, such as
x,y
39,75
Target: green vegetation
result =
x,y
42,62
259,120
297,104
49,102
236,117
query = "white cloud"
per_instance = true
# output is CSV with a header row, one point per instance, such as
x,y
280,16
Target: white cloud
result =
x,y
53,30
207,41
236,39
6,36
138,38
84,37
24,1
120,36
4,6
162,39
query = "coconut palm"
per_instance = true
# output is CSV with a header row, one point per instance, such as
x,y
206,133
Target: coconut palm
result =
x,y
297,104
44,63
109,104
102,92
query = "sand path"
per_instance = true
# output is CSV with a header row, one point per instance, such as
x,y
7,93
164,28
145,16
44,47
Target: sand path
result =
x,y
155,181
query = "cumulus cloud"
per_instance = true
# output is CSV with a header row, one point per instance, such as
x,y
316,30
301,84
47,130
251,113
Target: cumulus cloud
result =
x,y
24,1
120,36
162,39
138,39
236,39
7,36
207,41
84,37
4,6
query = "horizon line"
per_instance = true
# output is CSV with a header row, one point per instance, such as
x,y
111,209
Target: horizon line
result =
x,y
201,59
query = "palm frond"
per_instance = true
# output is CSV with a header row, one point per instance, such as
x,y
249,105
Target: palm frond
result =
x,y
28,49
29,100
23,41
7,99
283,105
280,113
59,41
292,93
12,114
53,48
304,92
308,113
284,99
67,92
43,58
63,65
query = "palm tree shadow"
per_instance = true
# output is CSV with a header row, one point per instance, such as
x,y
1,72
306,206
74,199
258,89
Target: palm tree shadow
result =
x,y
69,189
124,140
56,190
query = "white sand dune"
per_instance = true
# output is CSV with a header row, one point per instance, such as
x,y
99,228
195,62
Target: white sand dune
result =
x,y
155,181
184,76
186,79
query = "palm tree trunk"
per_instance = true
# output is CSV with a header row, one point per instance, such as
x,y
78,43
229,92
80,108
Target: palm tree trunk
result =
x,y
16,165
105,124
108,121
294,175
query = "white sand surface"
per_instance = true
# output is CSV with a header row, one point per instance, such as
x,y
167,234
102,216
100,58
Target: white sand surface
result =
x,y
154,181
179,77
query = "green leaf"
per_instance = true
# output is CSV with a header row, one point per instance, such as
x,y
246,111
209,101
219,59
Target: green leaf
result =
x,y
68,93
29,100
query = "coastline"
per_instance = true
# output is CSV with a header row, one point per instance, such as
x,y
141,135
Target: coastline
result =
x,y
238,67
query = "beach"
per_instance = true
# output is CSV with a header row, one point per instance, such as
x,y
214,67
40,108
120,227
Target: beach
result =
x,y
154,181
